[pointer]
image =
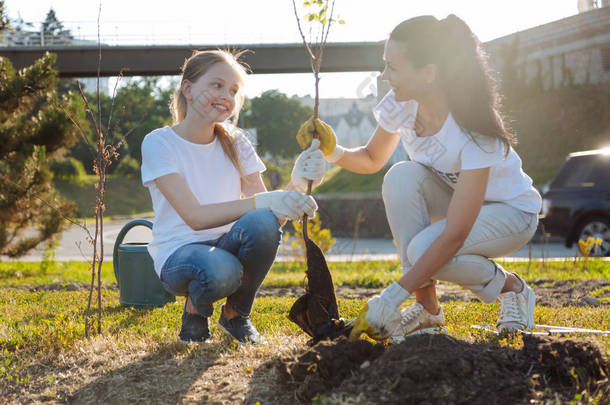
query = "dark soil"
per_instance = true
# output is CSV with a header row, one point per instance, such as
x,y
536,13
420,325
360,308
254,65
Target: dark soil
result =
x,y
551,293
571,293
438,369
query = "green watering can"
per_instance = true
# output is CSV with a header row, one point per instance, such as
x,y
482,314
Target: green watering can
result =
x,y
135,273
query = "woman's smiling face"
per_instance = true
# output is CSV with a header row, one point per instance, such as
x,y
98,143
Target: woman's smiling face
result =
x,y
407,81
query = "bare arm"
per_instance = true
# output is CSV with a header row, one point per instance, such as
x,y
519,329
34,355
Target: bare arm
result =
x,y
195,215
463,211
252,184
371,157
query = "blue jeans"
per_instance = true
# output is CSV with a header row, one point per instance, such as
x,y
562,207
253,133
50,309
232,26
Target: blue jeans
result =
x,y
232,266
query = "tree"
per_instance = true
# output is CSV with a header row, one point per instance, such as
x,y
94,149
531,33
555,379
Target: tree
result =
x,y
139,104
4,23
277,118
53,30
35,125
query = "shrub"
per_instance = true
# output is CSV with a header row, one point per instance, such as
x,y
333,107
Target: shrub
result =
x,y
70,169
128,167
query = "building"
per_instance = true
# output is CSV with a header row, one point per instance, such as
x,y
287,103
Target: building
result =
x,y
573,50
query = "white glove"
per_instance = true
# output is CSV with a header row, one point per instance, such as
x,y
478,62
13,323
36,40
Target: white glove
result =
x,y
286,204
380,316
310,165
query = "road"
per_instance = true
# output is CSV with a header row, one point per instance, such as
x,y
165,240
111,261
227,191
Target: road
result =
x,y
73,246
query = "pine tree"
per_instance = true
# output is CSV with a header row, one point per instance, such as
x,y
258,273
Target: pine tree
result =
x,y
35,126
3,18
53,30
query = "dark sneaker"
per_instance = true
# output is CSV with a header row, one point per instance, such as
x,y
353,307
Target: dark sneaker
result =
x,y
195,328
240,329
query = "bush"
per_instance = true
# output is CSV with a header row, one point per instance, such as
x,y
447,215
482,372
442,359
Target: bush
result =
x,y
128,167
70,169
321,237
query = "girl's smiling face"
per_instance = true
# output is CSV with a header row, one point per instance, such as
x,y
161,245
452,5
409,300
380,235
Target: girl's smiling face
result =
x,y
215,94
407,81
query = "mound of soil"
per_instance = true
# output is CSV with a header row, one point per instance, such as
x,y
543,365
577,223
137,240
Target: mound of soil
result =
x,y
325,365
440,369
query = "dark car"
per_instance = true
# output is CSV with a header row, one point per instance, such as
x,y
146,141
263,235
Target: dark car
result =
x,y
577,203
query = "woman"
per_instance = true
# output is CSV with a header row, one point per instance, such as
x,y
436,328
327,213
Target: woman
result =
x,y
462,198
217,229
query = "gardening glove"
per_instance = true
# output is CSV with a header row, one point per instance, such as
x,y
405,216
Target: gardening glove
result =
x,y
326,135
310,165
286,204
380,316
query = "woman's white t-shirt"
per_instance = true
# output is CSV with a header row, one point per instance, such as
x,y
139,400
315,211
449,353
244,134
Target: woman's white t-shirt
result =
x,y
452,150
209,174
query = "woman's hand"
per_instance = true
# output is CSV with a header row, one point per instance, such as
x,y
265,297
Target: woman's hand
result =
x,y
380,316
310,165
286,204
319,129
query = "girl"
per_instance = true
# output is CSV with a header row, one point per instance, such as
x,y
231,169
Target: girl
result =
x,y
216,229
462,198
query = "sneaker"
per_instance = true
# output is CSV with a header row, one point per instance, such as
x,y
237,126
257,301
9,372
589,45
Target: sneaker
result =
x,y
240,328
194,328
517,309
416,320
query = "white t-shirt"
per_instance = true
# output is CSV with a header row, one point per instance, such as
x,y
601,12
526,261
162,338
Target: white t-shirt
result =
x,y
209,174
452,149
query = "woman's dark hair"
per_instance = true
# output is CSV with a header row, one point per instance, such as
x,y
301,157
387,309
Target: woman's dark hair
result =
x,y
462,69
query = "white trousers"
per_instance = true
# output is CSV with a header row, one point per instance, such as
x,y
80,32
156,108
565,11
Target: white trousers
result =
x,y
416,202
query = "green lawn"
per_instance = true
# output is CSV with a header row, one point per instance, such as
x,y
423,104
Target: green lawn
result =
x,y
38,326
371,274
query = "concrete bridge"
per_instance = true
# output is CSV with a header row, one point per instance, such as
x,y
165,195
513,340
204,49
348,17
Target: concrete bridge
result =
x,y
81,61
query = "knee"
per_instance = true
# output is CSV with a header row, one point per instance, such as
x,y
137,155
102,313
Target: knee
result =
x,y
401,180
416,248
262,228
225,279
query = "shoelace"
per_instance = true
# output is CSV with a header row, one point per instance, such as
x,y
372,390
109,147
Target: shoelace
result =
x,y
509,309
415,311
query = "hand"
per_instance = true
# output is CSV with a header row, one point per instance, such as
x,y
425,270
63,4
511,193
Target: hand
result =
x,y
286,204
326,135
309,165
380,316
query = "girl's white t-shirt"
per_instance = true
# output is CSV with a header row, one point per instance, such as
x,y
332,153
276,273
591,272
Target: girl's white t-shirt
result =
x,y
452,150
209,174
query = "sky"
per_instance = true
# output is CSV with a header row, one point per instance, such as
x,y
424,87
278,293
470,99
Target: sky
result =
x,y
221,22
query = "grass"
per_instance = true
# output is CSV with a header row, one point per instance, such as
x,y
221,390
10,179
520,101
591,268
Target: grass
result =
x,y
45,357
369,274
338,180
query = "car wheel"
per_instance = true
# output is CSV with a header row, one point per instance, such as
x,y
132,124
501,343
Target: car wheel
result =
x,y
597,227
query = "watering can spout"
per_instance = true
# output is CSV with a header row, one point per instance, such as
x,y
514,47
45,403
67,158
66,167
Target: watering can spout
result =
x,y
139,284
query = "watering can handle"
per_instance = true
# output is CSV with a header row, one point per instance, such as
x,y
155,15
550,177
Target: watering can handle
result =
x,y
119,240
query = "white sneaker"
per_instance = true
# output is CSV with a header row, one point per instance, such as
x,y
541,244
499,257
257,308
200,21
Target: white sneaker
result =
x,y
416,320
517,309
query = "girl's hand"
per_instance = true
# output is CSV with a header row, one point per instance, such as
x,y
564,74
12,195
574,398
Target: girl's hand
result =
x,y
286,204
310,165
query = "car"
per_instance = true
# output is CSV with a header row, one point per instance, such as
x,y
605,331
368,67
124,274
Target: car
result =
x,y
576,205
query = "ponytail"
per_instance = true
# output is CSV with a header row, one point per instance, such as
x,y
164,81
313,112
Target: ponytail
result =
x,y
463,70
